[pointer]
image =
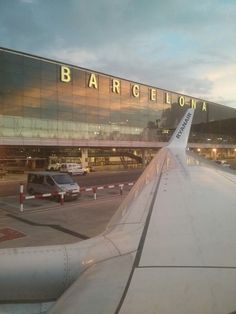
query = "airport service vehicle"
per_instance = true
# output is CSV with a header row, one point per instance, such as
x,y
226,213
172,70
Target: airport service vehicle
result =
x,y
52,182
54,166
73,169
170,248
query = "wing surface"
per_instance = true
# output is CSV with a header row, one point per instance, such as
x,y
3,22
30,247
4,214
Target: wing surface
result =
x,y
187,261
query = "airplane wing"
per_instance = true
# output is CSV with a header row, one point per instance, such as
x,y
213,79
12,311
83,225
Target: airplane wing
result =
x,y
170,248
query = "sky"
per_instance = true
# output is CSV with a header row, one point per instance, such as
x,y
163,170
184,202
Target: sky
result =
x,y
181,45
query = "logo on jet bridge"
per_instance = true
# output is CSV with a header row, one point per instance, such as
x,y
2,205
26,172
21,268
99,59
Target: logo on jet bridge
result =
x,y
184,124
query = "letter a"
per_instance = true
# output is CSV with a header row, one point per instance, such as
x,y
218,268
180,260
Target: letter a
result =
x,y
93,81
204,106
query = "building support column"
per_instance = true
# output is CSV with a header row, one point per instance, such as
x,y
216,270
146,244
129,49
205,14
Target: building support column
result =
x,y
144,157
84,157
214,153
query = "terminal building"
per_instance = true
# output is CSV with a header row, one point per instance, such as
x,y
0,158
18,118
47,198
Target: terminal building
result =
x,y
53,110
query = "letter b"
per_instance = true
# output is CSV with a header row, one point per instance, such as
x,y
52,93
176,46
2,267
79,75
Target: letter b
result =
x,y
65,74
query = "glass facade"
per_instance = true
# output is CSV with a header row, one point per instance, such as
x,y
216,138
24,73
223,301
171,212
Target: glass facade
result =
x,y
42,105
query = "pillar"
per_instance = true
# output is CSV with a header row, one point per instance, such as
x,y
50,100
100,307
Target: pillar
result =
x,y
144,157
84,157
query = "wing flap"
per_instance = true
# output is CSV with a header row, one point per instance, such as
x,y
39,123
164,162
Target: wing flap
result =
x,y
181,291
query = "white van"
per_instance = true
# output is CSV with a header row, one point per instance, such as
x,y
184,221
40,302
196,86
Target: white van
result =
x,y
52,182
73,168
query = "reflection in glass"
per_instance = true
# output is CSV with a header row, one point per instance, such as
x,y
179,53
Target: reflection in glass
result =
x,y
34,103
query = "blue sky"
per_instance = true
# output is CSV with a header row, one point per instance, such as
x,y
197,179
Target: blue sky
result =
x,y
182,45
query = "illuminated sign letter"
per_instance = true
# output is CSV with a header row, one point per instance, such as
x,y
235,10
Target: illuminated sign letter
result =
x,y
116,86
65,74
167,98
93,81
204,106
181,101
153,94
193,103
135,90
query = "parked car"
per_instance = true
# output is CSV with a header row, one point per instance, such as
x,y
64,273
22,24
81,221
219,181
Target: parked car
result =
x,y
223,163
52,182
73,169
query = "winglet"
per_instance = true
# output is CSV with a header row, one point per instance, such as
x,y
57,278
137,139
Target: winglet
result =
x,y
180,137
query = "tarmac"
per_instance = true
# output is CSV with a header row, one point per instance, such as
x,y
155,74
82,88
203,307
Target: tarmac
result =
x,y
46,222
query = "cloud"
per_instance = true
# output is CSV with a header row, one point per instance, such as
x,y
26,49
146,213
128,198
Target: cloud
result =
x,y
27,1
80,57
178,45
224,79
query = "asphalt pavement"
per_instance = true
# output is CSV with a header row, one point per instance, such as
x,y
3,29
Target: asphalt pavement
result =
x,y
46,222
9,185
75,221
